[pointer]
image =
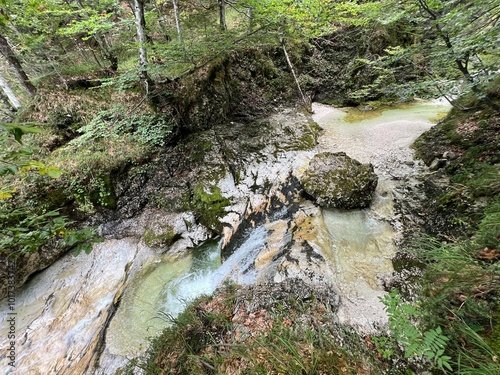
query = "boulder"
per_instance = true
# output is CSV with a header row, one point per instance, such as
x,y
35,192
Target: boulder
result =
x,y
335,180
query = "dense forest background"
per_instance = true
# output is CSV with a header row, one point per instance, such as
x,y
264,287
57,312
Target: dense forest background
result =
x,y
93,91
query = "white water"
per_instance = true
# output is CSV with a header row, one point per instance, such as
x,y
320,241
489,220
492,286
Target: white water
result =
x,y
163,290
62,310
206,273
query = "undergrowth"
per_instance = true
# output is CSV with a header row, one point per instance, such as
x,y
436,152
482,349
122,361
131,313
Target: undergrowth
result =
x,y
461,277
217,335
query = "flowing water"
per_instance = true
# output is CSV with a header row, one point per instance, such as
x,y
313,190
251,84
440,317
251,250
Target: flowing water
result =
x,y
161,291
363,241
98,310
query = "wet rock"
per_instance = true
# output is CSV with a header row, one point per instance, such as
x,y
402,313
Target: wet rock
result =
x,y
159,230
62,314
337,181
437,164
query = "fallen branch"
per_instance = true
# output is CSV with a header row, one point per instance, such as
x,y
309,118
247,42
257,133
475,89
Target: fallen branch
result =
x,y
307,103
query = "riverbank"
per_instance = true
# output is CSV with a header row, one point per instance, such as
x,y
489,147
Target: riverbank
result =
x,y
356,248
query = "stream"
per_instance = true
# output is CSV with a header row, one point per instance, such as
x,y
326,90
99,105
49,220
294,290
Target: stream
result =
x,y
91,314
363,241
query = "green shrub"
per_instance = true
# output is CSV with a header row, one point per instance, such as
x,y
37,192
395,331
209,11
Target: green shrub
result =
x,y
24,230
148,129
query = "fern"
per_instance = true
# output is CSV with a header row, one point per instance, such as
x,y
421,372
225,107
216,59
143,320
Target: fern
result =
x,y
429,345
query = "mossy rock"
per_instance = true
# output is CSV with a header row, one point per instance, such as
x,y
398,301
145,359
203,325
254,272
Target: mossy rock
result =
x,y
208,204
166,237
335,180
102,193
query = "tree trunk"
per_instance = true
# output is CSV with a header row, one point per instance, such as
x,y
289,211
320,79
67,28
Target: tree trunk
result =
x,y
250,19
141,38
11,58
16,104
222,15
177,21
307,103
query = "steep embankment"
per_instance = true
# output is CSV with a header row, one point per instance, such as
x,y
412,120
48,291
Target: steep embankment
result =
x,y
457,203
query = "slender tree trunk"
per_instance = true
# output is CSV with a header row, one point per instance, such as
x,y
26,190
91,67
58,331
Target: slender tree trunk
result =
x,y
82,53
103,44
96,58
147,38
161,21
307,103
16,104
11,58
141,38
222,15
56,71
177,21
250,19
461,65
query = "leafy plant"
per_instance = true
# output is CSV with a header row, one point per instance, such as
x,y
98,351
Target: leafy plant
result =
x,y
16,157
428,345
149,129
488,233
24,229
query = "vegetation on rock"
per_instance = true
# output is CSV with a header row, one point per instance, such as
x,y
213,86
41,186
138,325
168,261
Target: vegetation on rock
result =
x,y
335,180
109,101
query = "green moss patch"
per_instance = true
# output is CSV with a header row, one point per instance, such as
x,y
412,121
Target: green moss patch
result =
x,y
165,238
208,204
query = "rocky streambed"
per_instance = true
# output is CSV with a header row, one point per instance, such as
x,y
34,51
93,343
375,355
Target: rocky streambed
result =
x,y
93,313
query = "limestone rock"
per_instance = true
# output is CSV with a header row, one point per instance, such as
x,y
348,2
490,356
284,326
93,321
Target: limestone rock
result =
x,y
337,181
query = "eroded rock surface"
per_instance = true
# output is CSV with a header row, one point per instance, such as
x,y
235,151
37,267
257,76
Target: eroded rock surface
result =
x,y
159,218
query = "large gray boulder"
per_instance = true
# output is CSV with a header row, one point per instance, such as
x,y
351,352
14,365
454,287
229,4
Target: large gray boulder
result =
x,y
337,181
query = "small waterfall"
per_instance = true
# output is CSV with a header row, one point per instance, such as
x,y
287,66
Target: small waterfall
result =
x,y
240,265
203,278
163,290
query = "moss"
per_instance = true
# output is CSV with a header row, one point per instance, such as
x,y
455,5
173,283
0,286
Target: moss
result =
x,y
342,183
200,147
308,140
165,238
208,204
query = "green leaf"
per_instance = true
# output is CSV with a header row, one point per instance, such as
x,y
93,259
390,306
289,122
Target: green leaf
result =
x,y
53,172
